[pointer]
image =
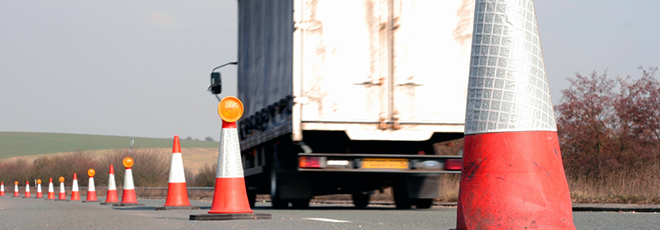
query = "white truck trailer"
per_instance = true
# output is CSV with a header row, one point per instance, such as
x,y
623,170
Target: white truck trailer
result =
x,y
349,96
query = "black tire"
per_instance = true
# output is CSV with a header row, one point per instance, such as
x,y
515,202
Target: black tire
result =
x,y
252,198
360,200
274,196
423,203
401,199
300,203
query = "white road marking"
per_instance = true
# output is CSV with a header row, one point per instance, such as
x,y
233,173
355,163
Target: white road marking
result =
x,y
328,220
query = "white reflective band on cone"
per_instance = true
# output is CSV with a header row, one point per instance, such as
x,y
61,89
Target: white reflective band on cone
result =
x,y
111,182
229,155
61,187
16,187
38,187
2,187
75,186
128,179
90,186
27,188
50,187
176,169
507,89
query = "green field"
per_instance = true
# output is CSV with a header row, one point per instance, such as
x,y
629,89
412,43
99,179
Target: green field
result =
x,y
14,144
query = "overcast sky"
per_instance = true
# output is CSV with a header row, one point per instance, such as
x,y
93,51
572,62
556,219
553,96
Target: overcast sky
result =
x,y
141,68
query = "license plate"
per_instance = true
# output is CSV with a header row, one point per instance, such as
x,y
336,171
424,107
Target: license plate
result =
x,y
384,163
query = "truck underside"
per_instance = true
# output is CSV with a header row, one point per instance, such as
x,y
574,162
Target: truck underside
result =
x,y
330,163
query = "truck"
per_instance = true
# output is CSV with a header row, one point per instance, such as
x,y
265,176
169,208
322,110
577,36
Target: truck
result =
x,y
349,97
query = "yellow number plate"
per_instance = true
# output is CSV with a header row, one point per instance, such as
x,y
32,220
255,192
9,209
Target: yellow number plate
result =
x,y
384,163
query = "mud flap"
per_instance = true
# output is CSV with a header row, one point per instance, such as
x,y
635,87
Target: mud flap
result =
x,y
422,186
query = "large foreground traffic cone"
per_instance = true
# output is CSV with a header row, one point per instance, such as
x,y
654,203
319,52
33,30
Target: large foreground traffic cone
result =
x,y
512,177
2,188
16,189
27,189
91,190
111,196
62,191
75,192
51,190
128,197
177,193
230,197
39,193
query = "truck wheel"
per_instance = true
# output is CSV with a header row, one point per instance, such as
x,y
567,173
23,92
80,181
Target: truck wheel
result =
x,y
274,197
360,200
401,199
300,203
252,198
423,203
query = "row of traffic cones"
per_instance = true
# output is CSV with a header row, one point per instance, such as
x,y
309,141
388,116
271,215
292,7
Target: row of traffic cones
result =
x,y
230,200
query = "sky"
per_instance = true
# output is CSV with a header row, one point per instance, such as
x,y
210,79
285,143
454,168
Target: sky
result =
x,y
141,68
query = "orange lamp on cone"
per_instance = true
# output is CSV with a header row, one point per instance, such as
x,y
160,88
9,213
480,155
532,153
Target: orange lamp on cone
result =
x,y
39,193
62,196
128,196
91,189
230,196
16,189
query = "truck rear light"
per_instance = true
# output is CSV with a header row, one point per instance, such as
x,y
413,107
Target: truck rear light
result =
x,y
453,164
311,162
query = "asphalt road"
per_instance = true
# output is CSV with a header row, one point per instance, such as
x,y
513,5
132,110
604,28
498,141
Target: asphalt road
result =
x,y
19,213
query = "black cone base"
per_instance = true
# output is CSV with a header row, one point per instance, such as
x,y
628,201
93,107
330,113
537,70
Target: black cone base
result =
x,y
177,208
232,216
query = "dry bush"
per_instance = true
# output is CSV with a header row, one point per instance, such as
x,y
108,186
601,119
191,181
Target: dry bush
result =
x,y
206,176
150,169
19,170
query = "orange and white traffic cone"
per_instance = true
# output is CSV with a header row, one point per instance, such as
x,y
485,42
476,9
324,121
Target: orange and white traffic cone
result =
x,y
128,197
2,188
75,191
230,199
512,177
39,193
16,189
27,189
51,190
91,190
62,191
177,193
111,196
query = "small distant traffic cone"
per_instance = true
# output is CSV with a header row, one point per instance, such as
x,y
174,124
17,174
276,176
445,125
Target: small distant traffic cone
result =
x,y
91,190
512,176
27,189
2,188
75,192
111,196
39,194
177,193
128,197
51,190
230,201
62,191
16,189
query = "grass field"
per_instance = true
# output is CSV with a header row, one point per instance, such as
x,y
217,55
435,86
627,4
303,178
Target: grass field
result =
x,y
17,144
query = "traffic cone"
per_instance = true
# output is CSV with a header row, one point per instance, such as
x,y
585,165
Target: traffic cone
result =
x,y
39,194
2,188
177,193
111,196
230,199
128,197
51,191
512,176
62,191
75,192
91,190
27,189
16,189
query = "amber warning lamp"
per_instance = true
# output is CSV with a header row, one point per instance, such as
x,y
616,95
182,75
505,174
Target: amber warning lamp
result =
x,y
230,109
